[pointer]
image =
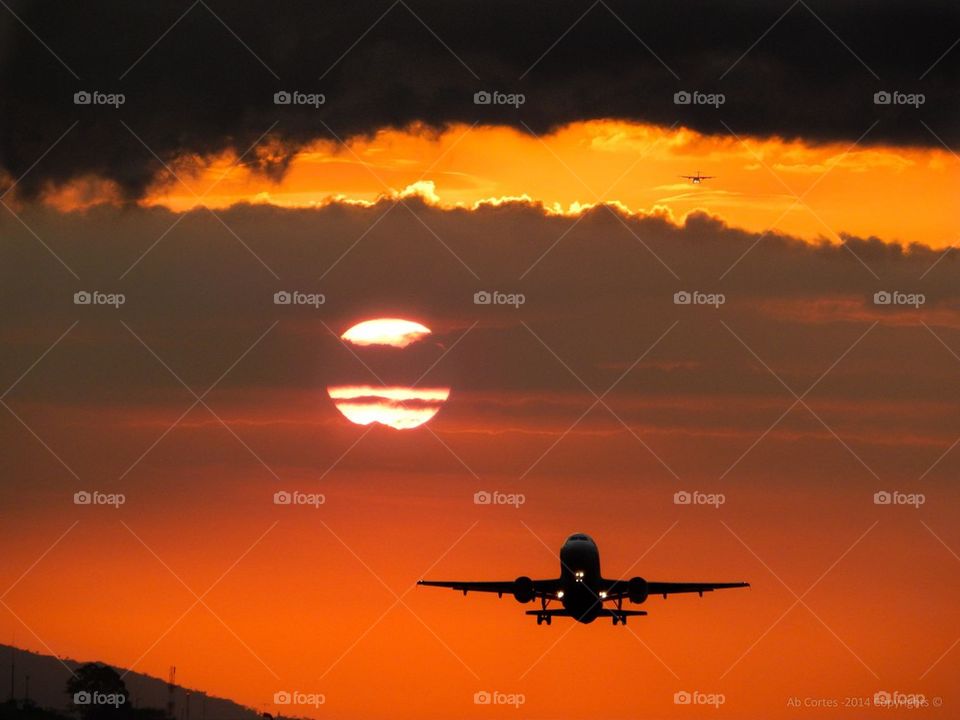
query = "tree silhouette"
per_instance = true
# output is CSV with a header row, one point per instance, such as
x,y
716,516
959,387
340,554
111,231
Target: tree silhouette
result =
x,y
97,692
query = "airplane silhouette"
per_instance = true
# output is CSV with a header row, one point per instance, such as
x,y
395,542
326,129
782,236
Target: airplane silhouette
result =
x,y
581,589
698,178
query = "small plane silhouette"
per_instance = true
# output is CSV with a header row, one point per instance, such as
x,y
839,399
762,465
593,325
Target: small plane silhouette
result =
x,y
698,178
581,589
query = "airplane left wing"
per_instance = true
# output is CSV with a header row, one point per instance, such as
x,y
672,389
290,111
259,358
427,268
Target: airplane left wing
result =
x,y
666,588
523,586
621,588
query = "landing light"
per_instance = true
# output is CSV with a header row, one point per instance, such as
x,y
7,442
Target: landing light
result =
x,y
559,594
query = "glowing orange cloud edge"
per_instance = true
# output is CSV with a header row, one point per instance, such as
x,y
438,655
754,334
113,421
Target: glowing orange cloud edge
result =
x,y
899,194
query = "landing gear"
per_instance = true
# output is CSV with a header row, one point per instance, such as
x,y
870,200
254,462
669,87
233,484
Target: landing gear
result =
x,y
543,616
619,617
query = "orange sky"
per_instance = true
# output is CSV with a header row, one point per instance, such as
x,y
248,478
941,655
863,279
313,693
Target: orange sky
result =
x,y
899,194
301,599
302,595
301,609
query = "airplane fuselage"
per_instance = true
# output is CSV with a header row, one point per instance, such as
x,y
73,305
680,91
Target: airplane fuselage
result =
x,y
580,579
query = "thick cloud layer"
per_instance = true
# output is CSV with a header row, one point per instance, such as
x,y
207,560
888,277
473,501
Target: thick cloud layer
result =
x,y
598,290
201,78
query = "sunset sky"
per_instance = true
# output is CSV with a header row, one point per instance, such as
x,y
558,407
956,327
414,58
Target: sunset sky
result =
x,y
392,300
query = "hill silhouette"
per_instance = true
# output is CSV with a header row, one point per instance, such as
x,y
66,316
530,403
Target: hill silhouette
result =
x,y
47,697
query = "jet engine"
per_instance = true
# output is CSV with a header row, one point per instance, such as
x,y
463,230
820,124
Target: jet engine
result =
x,y
637,590
523,589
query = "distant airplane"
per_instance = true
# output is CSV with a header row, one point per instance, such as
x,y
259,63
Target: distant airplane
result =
x,y
581,589
698,178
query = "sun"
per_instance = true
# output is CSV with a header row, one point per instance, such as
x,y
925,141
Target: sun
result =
x,y
395,332
401,407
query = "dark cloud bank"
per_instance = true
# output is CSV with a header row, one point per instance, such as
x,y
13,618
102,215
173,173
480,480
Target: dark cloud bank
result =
x,y
208,85
598,291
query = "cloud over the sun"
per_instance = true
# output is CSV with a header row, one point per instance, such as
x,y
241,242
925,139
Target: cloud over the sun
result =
x,y
598,287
